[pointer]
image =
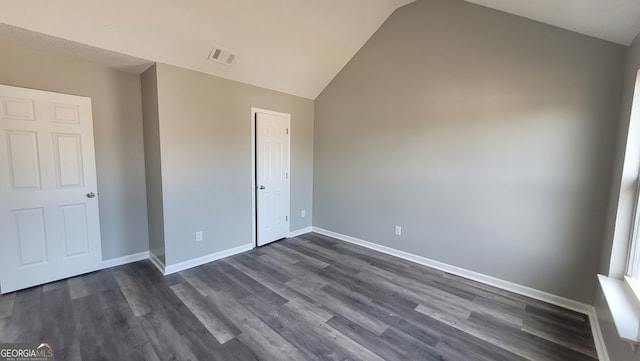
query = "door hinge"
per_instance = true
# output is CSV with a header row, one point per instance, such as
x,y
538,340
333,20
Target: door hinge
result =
x,y
286,175
286,218
287,130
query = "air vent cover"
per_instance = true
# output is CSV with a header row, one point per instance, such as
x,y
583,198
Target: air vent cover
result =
x,y
222,56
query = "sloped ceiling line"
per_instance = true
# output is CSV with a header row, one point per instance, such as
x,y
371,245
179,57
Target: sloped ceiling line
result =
x,y
293,46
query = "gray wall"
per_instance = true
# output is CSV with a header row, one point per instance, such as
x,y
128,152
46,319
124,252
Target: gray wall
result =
x,y
614,260
205,141
486,136
153,169
117,119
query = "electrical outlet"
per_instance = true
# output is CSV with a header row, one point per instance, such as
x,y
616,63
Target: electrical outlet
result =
x,y
303,213
398,231
199,236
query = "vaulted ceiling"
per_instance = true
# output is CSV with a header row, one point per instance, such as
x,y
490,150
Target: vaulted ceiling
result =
x,y
617,21
293,46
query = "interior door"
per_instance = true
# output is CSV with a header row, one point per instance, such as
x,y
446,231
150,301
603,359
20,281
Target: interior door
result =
x,y
49,217
272,176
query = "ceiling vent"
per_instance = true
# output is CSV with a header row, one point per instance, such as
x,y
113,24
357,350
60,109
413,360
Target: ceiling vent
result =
x,y
222,56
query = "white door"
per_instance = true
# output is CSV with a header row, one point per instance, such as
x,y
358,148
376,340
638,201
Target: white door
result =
x,y
49,222
272,176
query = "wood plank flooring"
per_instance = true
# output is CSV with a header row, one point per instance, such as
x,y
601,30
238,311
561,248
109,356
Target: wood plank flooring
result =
x,y
305,298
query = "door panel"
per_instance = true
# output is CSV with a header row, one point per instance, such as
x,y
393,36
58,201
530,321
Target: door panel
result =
x,y
68,160
50,228
272,176
66,113
23,159
74,229
22,109
31,237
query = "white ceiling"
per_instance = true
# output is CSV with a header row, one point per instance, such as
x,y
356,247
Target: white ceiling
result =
x,y
293,46
617,21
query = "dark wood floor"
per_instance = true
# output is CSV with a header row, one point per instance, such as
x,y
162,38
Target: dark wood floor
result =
x,y
305,298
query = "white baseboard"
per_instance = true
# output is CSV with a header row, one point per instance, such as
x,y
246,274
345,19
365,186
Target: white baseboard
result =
x,y
462,272
300,232
206,259
583,308
157,262
598,338
114,262
589,310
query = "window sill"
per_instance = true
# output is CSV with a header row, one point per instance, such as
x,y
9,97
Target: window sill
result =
x,y
624,307
634,286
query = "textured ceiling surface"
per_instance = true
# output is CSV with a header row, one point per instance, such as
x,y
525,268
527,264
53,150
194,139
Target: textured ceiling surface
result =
x,y
293,46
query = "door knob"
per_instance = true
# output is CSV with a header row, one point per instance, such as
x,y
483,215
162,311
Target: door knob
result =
x,y
263,187
91,195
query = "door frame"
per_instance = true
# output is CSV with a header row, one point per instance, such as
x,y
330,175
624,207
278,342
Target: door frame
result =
x,y
254,189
